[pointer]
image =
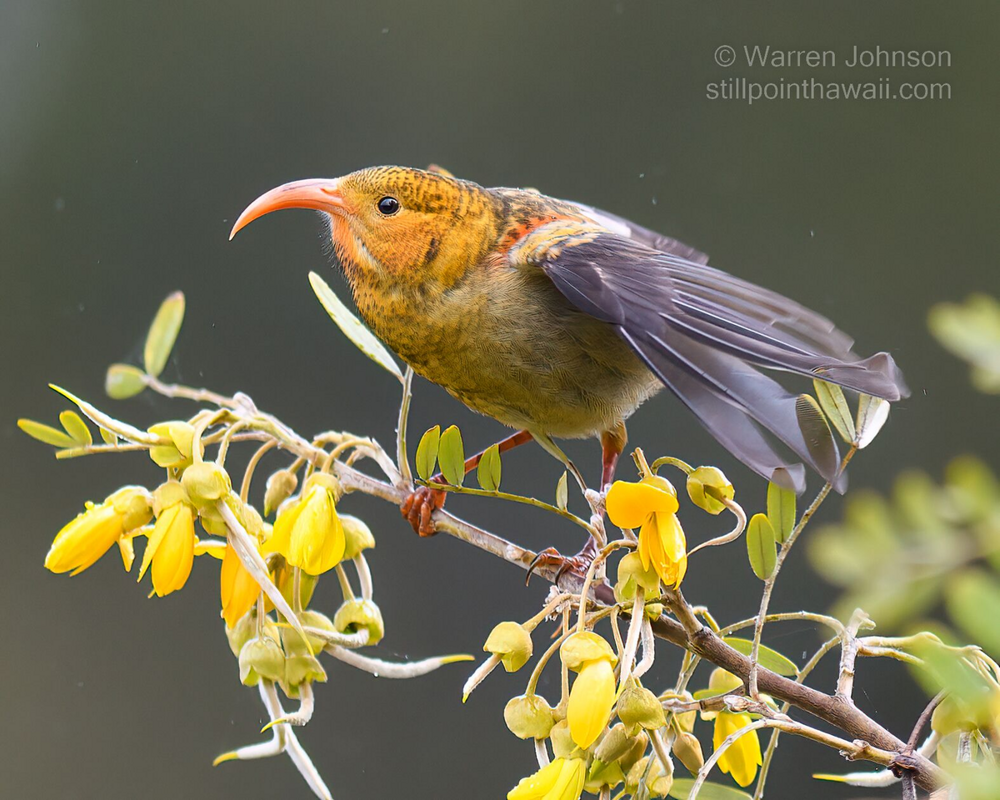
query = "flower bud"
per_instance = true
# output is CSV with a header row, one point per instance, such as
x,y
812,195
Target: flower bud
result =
x,y
303,668
206,483
687,748
637,749
639,708
134,505
529,717
245,629
280,486
582,647
261,658
168,494
327,481
178,452
721,681
653,610
631,574
355,615
562,741
615,743
292,641
357,536
708,487
657,782
603,774
511,643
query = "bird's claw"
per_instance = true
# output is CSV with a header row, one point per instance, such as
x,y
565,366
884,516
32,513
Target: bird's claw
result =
x,y
550,557
418,507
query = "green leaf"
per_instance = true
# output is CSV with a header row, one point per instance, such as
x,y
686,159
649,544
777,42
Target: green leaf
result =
x,y
74,425
46,434
834,404
562,492
766,657
109,437
872,414
973,600
451,456
352,327
781,511
816,432
681,788
124,381
489,469
427,452
163,333
760,546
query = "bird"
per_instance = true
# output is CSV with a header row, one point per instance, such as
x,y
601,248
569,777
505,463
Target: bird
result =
x,y
559,320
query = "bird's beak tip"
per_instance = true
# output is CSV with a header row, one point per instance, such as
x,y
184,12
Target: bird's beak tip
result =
x,y
318,194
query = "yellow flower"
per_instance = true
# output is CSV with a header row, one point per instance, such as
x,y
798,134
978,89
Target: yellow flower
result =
x,y
308,532
652,504
84,540
593,693
563,779
237,587
170,548
743,756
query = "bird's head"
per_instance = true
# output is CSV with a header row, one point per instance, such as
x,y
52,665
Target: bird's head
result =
x,y
393,224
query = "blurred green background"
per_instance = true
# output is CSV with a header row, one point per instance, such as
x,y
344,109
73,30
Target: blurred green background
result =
x,y
133,133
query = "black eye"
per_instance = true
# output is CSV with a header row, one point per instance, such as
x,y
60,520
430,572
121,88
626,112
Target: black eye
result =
x,y
388,206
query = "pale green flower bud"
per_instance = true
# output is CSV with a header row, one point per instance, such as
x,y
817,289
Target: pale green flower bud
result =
x,y
511,643
303,668
721,681
708,487
206,483
615,743
637,749
582,647
657,781
292,641
178,452
639,708
280,486
631,574
357,536
529,717
687,748
168,494
327,481
245,629
134,505
603,774
261,658
653,610
354,615
562,740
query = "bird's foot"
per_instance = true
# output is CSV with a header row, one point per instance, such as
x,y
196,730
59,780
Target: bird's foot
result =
x,y
577,565
418,507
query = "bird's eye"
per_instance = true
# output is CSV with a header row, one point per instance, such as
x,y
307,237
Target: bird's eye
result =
x,y
388,206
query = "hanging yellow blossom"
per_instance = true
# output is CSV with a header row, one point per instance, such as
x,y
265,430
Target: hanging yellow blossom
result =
x,y
308,532
237,587
592,695
743,756
92,533
563,779
652,504
170,549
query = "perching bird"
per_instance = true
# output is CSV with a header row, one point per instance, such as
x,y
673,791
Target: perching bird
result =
x,y
559,320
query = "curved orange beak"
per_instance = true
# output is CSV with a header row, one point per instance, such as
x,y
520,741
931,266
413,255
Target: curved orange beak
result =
x,y
321,194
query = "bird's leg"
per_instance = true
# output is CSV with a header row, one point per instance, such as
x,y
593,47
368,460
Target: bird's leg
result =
x,y
424,501
612,446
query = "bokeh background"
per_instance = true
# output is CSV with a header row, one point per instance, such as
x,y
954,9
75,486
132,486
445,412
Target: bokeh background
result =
x,y
132,133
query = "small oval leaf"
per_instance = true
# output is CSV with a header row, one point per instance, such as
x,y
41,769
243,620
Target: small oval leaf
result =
x,y
109,437
562,492
74,425
46,433
834,404
872,414
488,472
124,381
681,788
451,456
766,657
760,546
781,511
427,452
352,327
163,333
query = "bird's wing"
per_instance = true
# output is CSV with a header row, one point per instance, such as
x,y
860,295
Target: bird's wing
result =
x,y
703,333
650,238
